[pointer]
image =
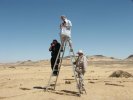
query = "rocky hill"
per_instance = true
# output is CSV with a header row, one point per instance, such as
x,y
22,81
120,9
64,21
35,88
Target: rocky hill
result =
x,y
129,58
102,58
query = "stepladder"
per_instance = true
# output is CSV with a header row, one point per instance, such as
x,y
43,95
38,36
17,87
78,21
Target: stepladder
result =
x,y
78,77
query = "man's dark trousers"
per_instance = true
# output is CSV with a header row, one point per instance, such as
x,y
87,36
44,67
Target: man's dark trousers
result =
x,y
53,59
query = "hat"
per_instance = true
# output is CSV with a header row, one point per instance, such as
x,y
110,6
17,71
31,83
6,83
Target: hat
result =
x,y
79,52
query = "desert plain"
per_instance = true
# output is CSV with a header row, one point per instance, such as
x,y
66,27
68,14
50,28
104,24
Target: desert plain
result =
x,y
26,80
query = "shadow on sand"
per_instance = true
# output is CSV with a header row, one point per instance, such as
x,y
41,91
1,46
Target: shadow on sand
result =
x,y
65,92
60,92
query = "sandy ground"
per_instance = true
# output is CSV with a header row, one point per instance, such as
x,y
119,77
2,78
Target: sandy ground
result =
x,y
25,83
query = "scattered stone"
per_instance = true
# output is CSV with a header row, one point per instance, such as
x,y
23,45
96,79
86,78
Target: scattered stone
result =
x,y
12,67
52,84
67,82
21,84
25,89
91,82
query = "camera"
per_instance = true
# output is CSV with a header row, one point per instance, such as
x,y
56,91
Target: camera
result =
x,y
52,44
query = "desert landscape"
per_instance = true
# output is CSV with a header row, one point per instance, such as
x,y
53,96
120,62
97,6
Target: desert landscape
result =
x,y
107,78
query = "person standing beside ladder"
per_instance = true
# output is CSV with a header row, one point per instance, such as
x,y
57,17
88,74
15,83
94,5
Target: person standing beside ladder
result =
x,y
81,66
65,31
54,49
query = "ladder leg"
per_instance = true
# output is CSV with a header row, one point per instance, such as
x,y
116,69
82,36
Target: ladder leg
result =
x,y
73,59
75,76
58,57
60,64
53,68
79,80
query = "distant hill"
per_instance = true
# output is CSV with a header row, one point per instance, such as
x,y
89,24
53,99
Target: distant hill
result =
x,y
66,57
101,58
28,62
66,60
129,58
97,58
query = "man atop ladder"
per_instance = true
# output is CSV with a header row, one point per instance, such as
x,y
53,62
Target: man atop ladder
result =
x,y
65,31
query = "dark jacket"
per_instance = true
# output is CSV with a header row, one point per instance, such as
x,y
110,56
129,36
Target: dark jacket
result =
x,y
54,50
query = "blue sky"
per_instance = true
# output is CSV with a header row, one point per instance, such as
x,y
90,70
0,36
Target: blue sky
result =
x,y
27,27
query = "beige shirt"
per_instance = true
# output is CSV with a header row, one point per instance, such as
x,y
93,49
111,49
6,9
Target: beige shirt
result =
x,y
82,63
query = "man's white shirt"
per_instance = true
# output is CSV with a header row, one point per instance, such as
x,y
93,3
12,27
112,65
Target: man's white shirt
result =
x,y
67,29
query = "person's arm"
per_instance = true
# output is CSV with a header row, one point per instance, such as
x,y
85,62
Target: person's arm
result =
x,y
76,61
68,24
51,47
85,63
61,26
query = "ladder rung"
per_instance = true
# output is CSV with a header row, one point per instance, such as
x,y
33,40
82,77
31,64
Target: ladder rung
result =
x,y
55,70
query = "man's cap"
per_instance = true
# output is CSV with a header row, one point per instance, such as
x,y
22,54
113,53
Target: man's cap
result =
x,y
80,52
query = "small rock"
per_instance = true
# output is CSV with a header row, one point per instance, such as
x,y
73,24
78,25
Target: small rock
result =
x,y
67,82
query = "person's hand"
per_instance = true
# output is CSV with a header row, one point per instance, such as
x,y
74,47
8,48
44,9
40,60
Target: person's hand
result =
x,y
52,44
